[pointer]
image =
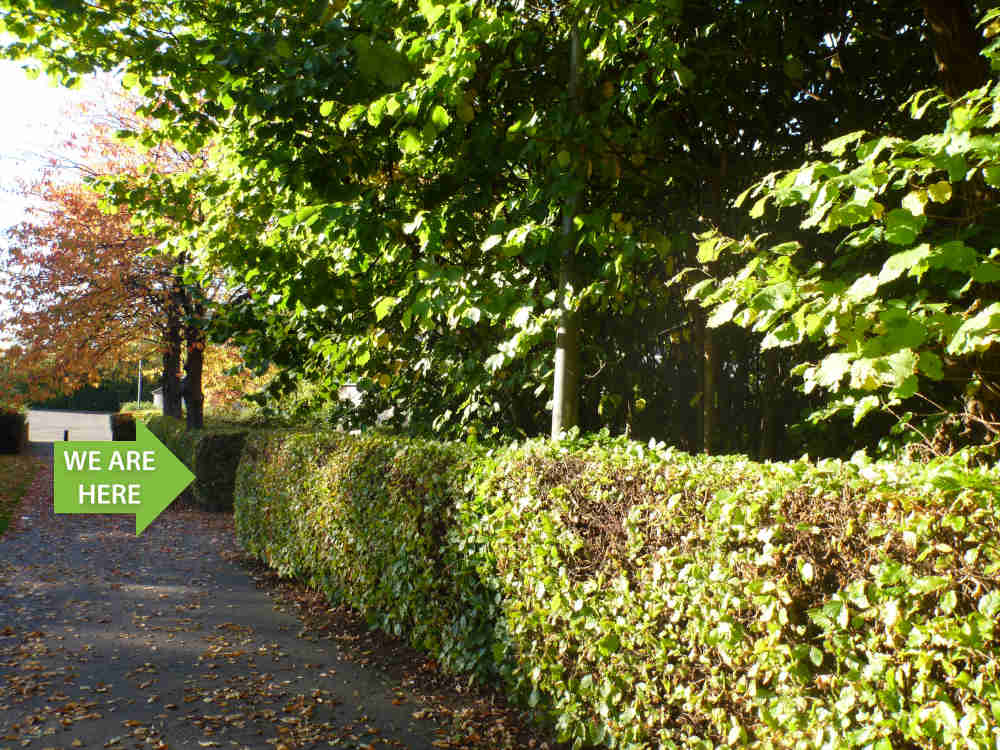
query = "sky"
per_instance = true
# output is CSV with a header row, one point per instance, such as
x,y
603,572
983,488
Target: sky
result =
x,y
31,127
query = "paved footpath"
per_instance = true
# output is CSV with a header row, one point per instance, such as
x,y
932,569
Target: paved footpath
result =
x,y
112,641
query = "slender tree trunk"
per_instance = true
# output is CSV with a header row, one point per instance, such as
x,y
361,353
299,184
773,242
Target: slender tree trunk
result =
x,y
956,46
697,430
193,367
961,68
566,378
170,379
769,406
194,336
710,369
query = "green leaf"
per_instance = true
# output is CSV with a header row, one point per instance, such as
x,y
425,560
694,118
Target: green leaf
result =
x,y
350,117
376,112
864,407
832,369
906,260
491,242
986,273
722,314
326,108
902,363
940,192
955,164
838,145
992,176
864,376
410,141
915,201
742,197
815,656
954,255
774,297
930,364
929,584
863,288
384,306
902,227
563,158
978,332
430,11
757,210
902,331
989,604
710,248
440,117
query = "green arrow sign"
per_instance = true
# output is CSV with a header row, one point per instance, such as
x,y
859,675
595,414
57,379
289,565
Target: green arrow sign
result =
x,y
118,477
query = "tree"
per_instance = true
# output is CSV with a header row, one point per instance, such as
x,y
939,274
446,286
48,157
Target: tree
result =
x,y
84,290
392,185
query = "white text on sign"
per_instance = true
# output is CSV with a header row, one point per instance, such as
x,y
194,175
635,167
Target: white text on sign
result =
x,y
120,461
110,494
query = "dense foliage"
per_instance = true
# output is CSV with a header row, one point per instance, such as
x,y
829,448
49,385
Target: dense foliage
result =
x,y
641,597
893,269
414,194
370,521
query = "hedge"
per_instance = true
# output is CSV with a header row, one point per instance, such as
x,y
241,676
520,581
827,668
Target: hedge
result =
x,y
212,454
122,426
369,520
640,597
13,431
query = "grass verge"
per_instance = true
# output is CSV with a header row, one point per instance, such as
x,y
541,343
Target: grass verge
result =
x,y
16,473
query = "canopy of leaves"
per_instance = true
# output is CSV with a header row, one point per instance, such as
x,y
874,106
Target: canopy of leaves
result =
x,y
387,179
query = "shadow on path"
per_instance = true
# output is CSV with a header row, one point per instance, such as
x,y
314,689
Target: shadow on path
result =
x,y
42,450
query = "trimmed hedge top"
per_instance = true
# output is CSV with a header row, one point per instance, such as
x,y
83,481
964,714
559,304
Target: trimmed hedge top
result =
x,y
655,597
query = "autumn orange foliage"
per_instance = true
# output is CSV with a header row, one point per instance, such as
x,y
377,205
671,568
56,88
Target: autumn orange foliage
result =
x,y
226,381
82,294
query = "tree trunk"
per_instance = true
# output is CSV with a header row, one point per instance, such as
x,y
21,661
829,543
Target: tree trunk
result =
x,y
193,366
711,366
769,406
566,376
697,430
956,46
961,68
170,380
194,336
